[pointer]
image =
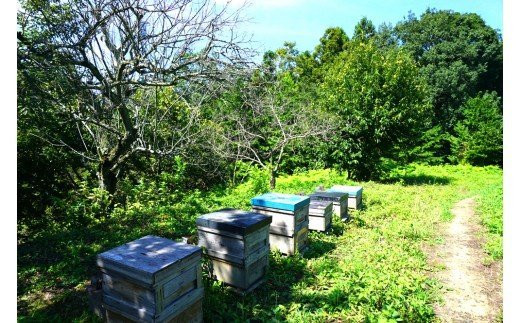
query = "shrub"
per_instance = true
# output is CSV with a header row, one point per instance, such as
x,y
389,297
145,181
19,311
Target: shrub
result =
x,y
381,104
478,139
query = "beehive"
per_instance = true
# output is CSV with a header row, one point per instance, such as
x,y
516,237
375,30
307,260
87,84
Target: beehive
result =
x,y
320,215
339,202
354,194
290,225
152,279
237,243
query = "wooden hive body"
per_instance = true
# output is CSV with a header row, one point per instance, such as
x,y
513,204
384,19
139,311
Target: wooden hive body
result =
x,y
289,229
320,215
339,200
151,279
355,194
289,245
192,314
237,244
285,222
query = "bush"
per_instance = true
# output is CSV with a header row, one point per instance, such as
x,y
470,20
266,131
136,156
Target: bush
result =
x,y
381,105
478,139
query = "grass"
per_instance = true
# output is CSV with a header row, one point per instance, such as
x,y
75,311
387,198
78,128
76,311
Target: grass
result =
x,y
370,269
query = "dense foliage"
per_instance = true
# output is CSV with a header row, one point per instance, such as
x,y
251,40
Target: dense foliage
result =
x,y
478,139
380,104
378,95
458,55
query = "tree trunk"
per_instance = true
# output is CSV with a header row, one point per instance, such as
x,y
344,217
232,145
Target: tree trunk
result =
x,y
272,179
114,161
107,178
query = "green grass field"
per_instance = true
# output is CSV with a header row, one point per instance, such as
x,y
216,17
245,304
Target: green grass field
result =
x,y
370,269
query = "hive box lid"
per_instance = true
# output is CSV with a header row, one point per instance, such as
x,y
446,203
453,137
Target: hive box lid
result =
x,y
280,201
329,196
234,221
320,205
146,258
353,191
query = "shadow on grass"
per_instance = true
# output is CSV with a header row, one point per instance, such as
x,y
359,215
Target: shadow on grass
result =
x,y
416,180
284,273
69,304
318,247
359,222
52,262
361,207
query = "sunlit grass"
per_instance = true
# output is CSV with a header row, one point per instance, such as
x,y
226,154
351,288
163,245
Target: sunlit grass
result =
x,y
372,268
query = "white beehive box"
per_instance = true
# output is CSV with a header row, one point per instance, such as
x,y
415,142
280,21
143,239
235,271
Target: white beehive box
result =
x,y
320,215
339,202
355,194
289,229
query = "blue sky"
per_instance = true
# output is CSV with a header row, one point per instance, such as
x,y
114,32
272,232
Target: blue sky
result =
x,y
304,21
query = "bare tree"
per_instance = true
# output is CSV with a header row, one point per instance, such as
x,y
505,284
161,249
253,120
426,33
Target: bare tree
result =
x,y
121,51
261,130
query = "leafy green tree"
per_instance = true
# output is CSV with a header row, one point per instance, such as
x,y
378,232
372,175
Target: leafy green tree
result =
x,y
333,42
46,168
364,30
458,54
280,60
112,50
428,146
261,120
385,36
478,137
380,103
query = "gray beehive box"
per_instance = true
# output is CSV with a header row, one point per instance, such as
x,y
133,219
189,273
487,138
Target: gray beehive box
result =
x,y
237,243
152,279
339,202
355,194
288,232
320,215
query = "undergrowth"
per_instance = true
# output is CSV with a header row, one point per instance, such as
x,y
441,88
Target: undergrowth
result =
x,y
370,269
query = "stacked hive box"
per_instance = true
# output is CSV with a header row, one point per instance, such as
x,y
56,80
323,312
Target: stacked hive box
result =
x,y
290,227
320,215
354,194
152,279
237,243
339,201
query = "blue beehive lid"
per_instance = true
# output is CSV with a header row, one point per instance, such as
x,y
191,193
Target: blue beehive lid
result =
x,y
353,191
280,201
234,221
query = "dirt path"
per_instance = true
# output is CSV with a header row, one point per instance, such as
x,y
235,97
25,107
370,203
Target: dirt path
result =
x,y
473,291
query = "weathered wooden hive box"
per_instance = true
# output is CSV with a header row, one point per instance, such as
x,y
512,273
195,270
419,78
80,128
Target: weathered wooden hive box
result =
x,y
237,243
320,215
339,202
290,227
354,194
152,279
